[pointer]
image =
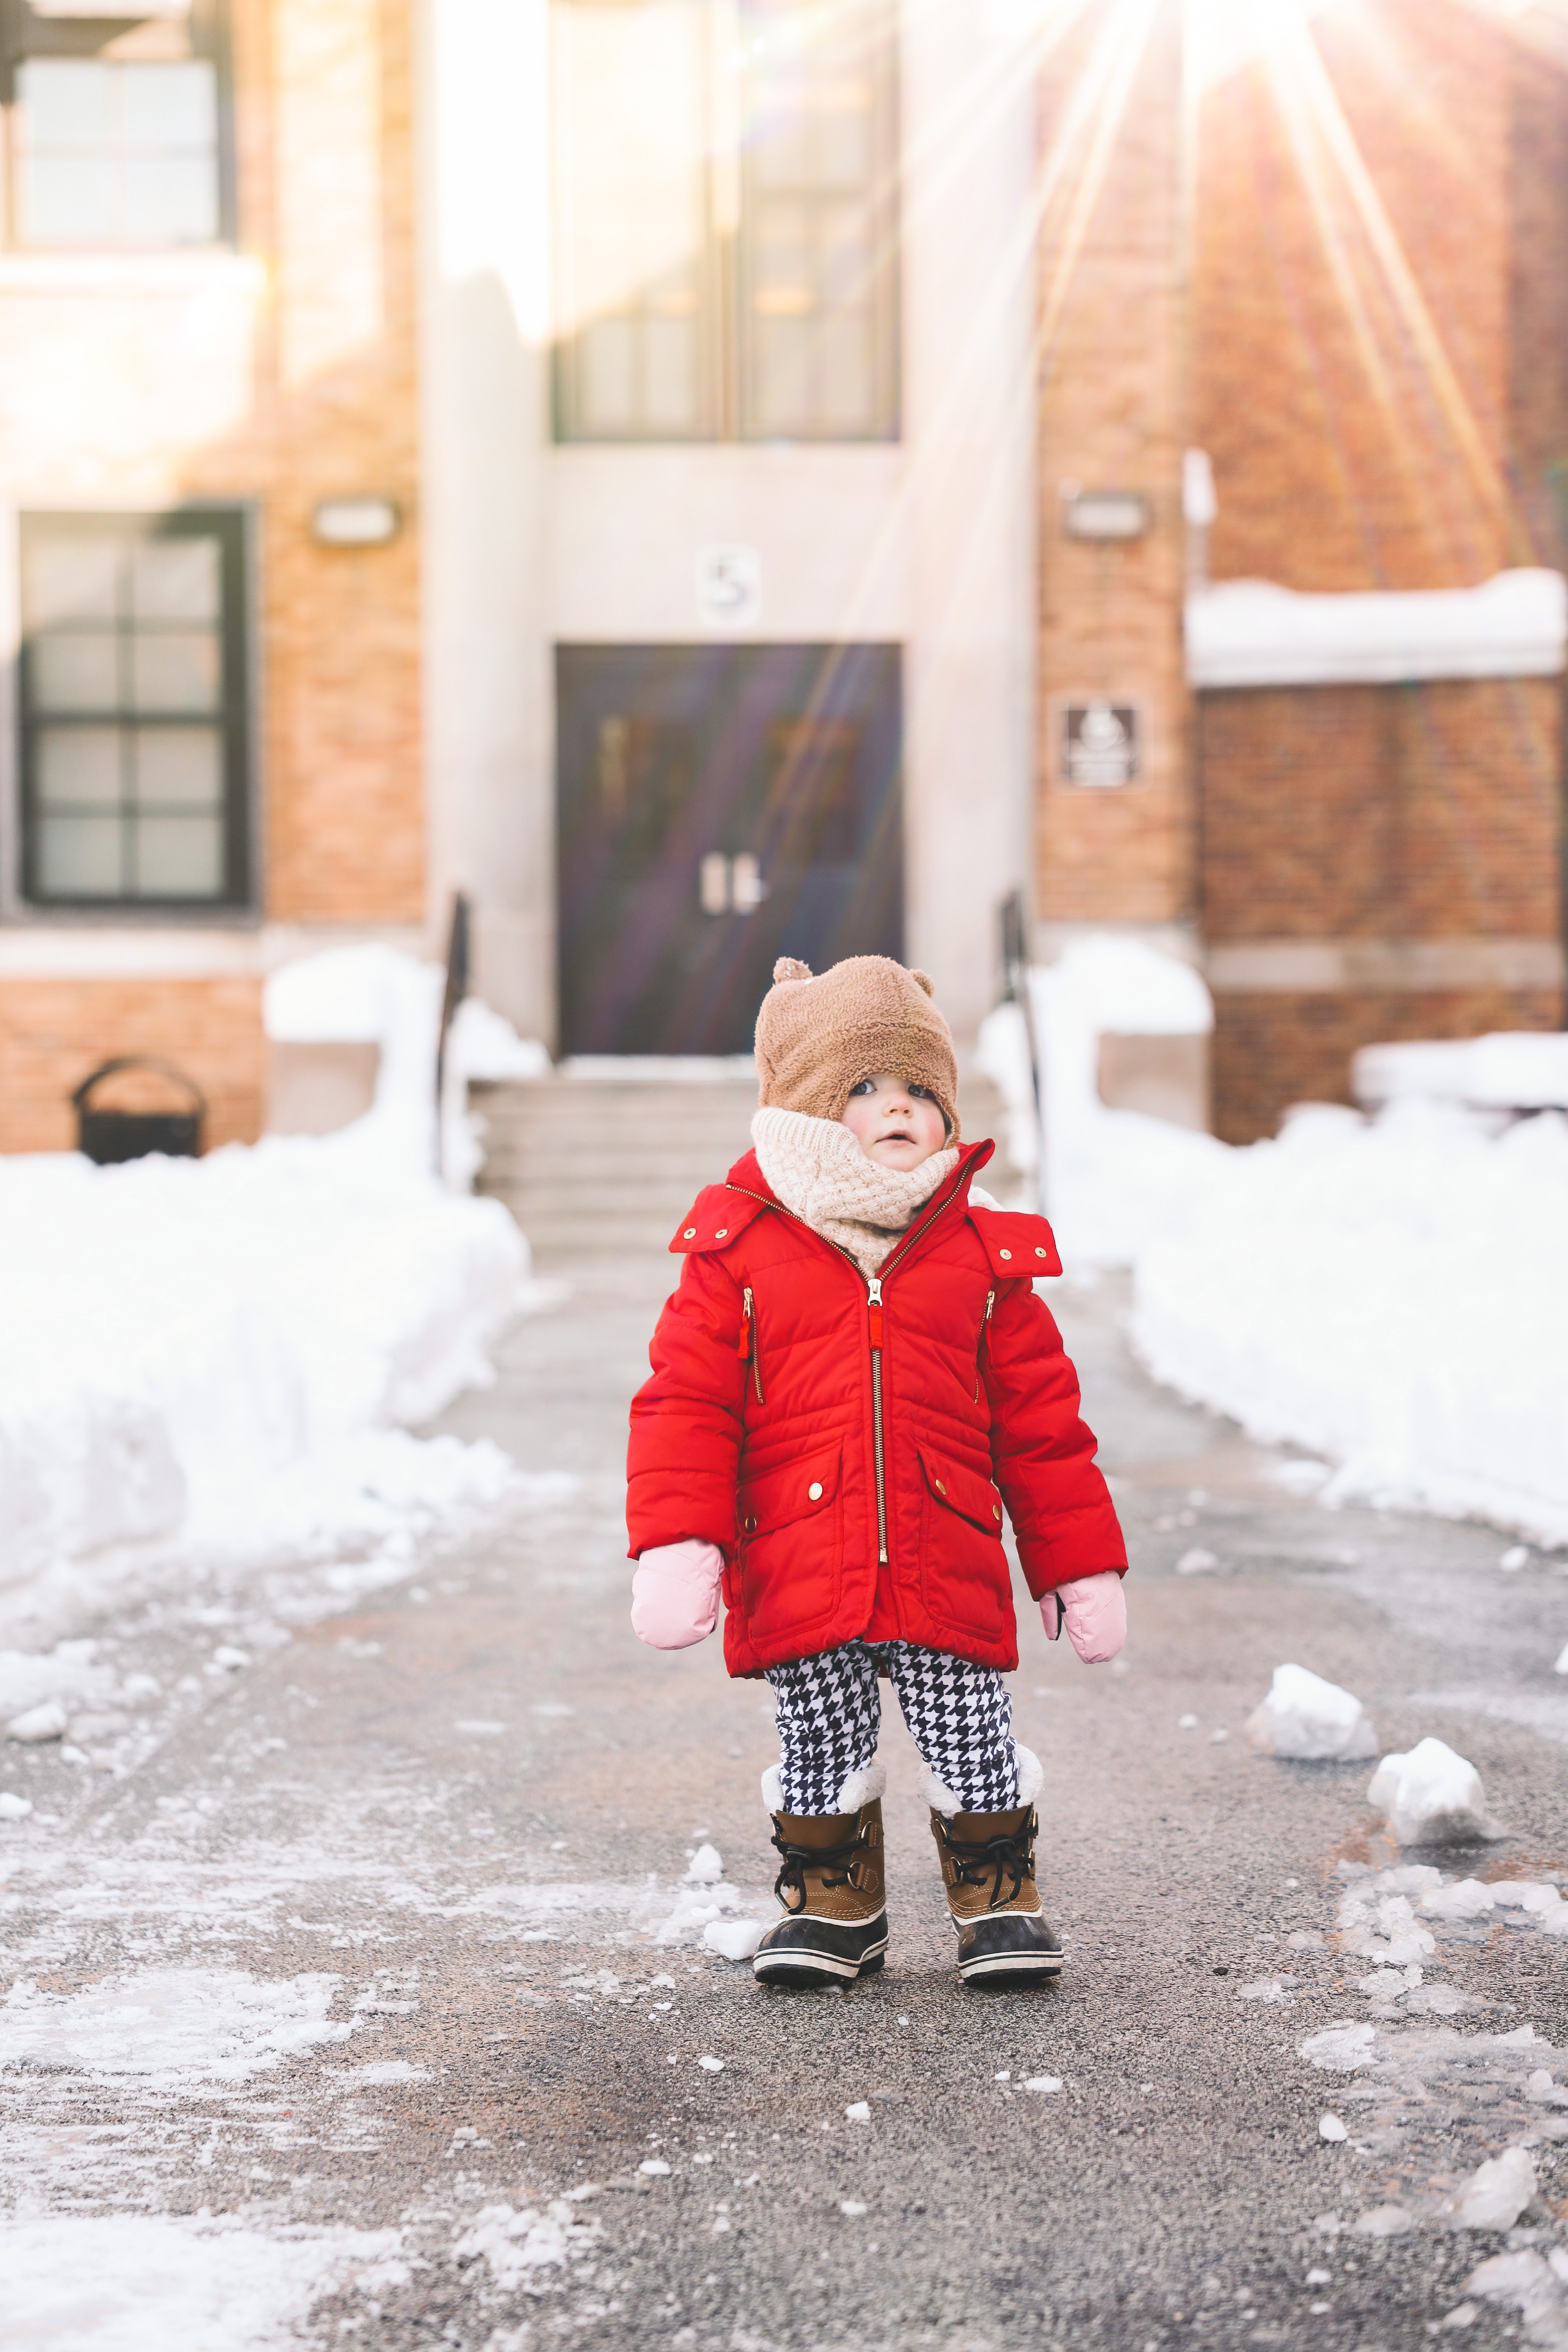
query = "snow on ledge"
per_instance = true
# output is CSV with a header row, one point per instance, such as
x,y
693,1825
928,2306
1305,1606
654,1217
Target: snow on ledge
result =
x,y
1253,633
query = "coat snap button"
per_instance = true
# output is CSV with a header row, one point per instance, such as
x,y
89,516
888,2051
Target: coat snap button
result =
x,y
751,1523
941,1489
815,1490
1003,1252
1038,1251
996,1510
689,1234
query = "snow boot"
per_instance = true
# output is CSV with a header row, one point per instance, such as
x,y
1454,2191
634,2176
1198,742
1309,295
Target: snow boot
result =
x,y
832,1888
988,1869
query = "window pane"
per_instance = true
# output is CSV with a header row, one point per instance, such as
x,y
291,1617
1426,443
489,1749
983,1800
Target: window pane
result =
x,y
846,388
80,857
179,858
76,671
78,764
633,200
70,577
177,580
67,102
170,200
179,764
170,105
67,200
609,374
177,670
783,398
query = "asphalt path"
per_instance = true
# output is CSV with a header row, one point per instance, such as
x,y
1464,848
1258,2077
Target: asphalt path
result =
x,y
470,1805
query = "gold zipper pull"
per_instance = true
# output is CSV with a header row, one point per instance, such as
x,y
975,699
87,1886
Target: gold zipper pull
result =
x,y
747,1349
980,1350
874,1299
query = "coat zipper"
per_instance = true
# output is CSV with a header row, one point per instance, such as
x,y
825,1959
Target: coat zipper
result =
x,y
980,1349
747,1347
874,1299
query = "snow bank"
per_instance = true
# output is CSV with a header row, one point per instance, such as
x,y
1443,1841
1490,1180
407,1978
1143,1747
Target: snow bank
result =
x,y
1431,1796
171,2028
1304,1717
221,1348
1384,1292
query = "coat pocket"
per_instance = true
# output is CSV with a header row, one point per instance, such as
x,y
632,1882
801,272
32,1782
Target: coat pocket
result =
x,y
973,1498
794,1492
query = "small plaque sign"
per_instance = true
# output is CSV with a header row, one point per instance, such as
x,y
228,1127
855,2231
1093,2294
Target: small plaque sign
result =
x,y
1100,743
729,587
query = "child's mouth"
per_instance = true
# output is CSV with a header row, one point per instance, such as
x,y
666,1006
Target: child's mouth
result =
x,y
897,1135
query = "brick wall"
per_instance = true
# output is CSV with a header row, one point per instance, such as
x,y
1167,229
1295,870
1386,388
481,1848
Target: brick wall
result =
x,y
1110,358
53,1032
1358,811
1272,1049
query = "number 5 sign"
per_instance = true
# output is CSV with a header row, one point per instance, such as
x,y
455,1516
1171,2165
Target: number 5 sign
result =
x,y
729,587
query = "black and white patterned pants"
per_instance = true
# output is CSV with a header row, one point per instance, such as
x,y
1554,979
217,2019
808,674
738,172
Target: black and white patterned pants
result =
x,y
830,1711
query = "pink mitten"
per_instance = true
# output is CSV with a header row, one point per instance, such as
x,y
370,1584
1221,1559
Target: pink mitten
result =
x,y
1094,1611
675,1593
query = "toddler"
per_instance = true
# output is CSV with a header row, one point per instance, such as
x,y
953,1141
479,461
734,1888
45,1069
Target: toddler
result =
x,y
852,1382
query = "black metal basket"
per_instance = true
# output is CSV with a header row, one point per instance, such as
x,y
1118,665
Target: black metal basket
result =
x,y
110,1137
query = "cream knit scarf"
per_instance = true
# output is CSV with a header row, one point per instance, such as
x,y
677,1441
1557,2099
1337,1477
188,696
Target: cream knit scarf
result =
x,y
818,1170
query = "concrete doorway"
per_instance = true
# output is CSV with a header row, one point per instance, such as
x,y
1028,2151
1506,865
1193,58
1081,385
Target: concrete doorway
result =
x,y
719,806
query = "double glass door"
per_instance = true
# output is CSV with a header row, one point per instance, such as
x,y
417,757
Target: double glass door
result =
x,y
719,806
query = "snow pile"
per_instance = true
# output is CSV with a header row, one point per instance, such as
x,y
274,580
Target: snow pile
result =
x,y
515,2243
1431,1797
1304,1717
182,1333
1510,1070
137,2282
1384,1292
171,2027
702,1902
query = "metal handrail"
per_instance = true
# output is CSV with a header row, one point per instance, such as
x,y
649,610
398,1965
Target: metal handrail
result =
x,y
1016,990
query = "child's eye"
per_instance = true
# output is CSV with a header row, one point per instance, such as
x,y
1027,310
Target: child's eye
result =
x,y
866,1086
922,1094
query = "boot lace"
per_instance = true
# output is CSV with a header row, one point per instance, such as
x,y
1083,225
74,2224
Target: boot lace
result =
x,y
835,1863
1009,1857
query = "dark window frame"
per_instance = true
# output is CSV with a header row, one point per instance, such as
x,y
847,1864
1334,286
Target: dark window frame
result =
x,y
25,34
230,526
727,353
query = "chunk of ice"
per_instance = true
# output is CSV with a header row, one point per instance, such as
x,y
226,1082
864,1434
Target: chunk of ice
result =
x,y
45,1722
1044,2082
1560,1666
1197,1562
706,1867
14,1807
712,2065
1431,1796
1309,1720
654,2166
1465,1899
1497,2192
1342,2048
858,2111
1384,2221
737,1939
1331,2128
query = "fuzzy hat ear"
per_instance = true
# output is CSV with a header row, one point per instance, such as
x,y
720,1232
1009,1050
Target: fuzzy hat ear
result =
x,y
865,1015
921,980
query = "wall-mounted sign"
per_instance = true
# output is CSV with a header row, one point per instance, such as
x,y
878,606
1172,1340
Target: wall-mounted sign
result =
x,y
729,587
1104,514
1100,743
355,522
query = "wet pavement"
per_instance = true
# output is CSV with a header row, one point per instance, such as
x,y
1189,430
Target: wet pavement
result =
x,y
459,1820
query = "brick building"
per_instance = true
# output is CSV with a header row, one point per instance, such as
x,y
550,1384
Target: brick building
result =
x,y
712,480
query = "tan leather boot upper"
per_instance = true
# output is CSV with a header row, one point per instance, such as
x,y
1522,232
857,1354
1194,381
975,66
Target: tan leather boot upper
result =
x,y
832,1864
988,1861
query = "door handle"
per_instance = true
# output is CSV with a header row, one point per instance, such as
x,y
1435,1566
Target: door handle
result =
x,y
727,886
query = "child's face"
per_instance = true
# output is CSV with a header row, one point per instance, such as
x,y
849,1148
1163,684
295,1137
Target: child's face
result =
x,y
895,1124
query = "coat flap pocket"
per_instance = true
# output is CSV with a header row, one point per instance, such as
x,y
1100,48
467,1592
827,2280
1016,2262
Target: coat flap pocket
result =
x,y
718,1216
964,1491
791,1492
1018,1246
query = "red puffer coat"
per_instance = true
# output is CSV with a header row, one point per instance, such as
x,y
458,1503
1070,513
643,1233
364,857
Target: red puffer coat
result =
x,y
850,1447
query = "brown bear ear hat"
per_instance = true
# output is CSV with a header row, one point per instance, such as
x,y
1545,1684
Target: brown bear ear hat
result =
x,y
818,1037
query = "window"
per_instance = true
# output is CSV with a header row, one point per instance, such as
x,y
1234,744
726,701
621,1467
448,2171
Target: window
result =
x,y
134,741
728,220
117,128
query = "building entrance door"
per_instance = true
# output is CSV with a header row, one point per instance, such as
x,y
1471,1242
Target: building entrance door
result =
x,y
719,806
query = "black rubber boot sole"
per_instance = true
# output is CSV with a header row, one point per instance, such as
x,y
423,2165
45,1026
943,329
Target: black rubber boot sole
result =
x,y
814,1952
1009,1947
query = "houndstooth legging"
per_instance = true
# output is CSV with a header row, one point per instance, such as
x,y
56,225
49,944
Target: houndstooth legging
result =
x,y
829,1713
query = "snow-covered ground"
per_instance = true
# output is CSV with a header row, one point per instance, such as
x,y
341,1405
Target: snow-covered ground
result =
x,y
222,1355
1386,1291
